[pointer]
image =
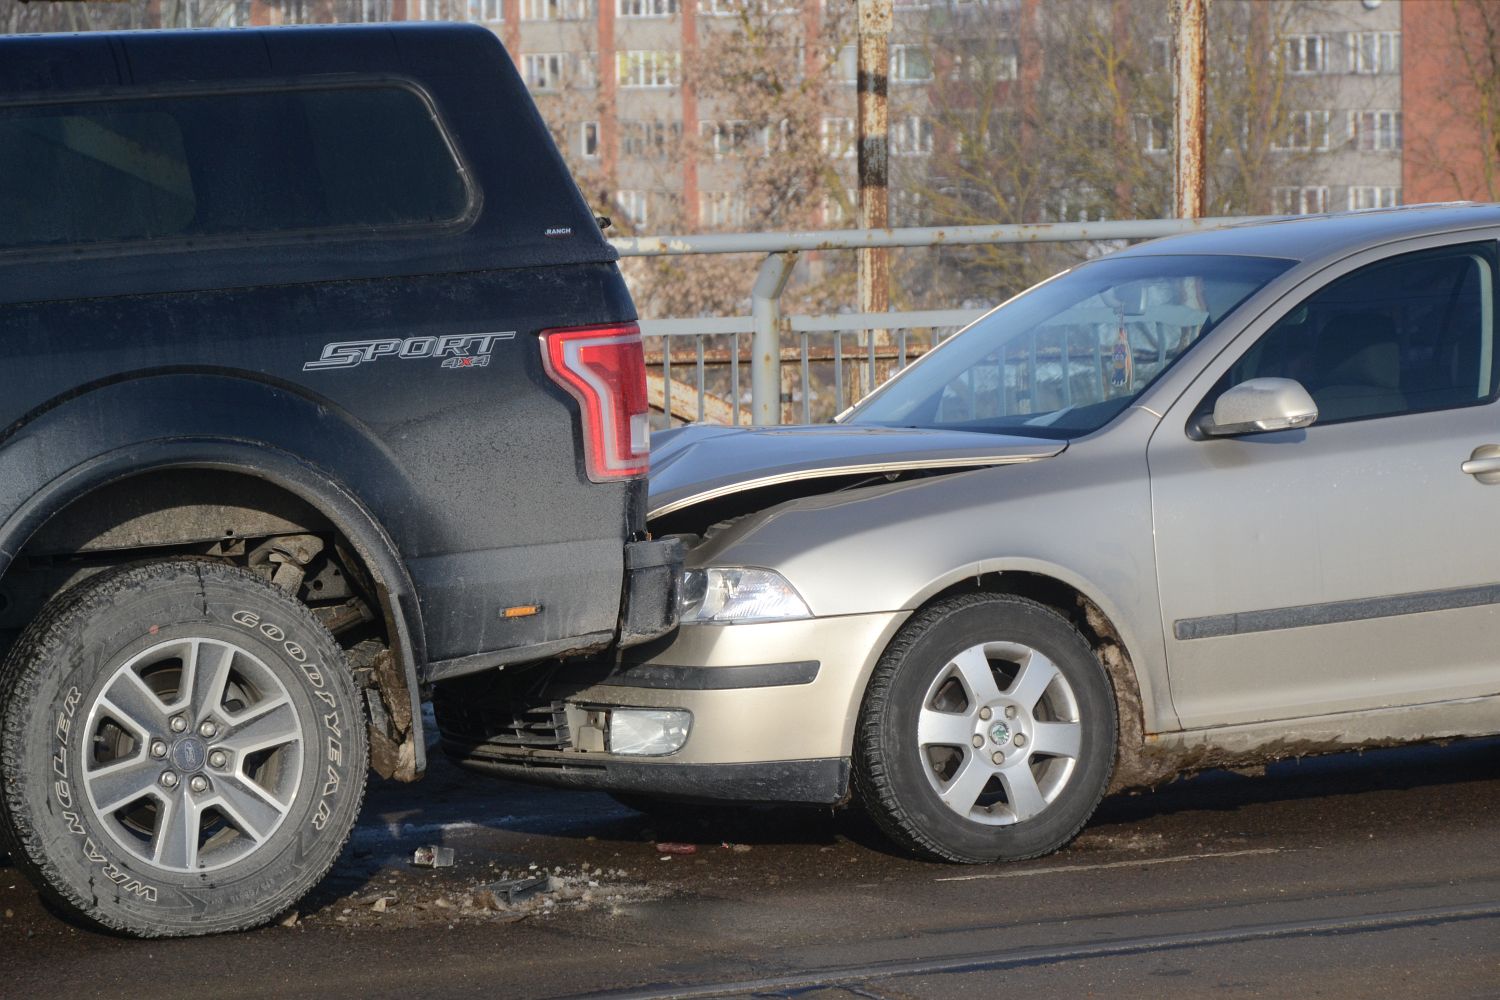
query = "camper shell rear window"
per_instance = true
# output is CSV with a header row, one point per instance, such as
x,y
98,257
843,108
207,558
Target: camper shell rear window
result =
x,y
229,165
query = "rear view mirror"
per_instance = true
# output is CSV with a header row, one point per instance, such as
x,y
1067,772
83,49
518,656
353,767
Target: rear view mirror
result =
x,y
1260,405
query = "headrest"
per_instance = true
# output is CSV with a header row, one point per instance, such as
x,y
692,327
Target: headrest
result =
x,y
1360,349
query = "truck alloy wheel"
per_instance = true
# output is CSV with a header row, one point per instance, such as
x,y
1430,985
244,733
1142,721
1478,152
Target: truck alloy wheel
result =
x,y
184,750
988,731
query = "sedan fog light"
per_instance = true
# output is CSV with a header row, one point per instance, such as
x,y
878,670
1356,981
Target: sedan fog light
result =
x,y
647,732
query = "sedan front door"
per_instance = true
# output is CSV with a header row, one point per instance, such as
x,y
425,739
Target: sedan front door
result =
x,y
1354,564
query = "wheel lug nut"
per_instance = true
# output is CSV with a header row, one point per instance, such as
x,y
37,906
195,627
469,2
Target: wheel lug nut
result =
x,y
199,783
978,741
998,757
208,730
218,758
158,749
1020,739
168,779
985,713
1010,711
179,725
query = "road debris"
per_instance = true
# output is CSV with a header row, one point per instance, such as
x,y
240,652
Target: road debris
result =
x,y
433,857
510,891
668,847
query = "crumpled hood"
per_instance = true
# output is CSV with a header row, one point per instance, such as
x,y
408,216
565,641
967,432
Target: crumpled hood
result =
x,y
691,465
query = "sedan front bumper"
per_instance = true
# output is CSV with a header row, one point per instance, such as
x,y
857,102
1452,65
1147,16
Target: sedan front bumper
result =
x,y
773,707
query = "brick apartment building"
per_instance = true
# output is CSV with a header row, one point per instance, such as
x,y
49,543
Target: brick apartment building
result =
x,y
1381,118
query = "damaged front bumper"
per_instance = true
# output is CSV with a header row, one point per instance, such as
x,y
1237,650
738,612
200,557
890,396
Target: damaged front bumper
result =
x,y
769,712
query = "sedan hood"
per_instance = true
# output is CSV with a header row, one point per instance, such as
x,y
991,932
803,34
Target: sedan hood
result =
x,y
692,465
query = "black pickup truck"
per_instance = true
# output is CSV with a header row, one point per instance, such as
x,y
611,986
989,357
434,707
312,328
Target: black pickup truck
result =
x,y
318,385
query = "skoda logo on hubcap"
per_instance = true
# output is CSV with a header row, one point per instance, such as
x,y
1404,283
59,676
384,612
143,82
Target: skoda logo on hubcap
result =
x,y
999,732
189,754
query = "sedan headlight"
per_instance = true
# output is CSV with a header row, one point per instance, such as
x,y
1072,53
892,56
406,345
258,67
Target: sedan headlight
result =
x,y
734,596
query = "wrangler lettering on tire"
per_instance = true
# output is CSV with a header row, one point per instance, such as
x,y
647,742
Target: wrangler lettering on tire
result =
x,y
199,738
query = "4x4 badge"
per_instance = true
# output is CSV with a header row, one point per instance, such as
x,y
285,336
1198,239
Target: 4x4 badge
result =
x,y
458,350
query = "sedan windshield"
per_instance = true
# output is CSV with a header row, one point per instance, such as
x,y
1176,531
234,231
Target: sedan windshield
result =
x,y
1063,359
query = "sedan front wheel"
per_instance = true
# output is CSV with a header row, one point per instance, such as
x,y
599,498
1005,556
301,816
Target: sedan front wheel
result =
x,y
987,733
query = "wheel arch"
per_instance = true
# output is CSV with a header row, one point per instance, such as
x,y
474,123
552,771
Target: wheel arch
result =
x,y
300,483
1138,708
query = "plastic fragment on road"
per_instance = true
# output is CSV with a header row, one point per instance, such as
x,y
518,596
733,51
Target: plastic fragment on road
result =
x,y
433,857
667,847
509,891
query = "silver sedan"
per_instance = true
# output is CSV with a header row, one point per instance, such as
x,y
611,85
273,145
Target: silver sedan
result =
x,y
1216,499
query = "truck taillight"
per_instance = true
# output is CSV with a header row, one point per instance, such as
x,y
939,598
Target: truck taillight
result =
x,y
604,368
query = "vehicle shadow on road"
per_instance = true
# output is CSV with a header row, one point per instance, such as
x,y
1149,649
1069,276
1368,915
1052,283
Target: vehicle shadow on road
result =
x,y
1353,773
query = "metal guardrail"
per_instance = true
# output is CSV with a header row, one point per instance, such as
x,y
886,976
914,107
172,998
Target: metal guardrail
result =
x,y
769,329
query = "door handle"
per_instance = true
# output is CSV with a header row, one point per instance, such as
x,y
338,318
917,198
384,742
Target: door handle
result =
x,y
1484,464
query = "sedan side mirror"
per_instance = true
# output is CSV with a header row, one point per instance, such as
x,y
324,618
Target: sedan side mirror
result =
x,y
1259,405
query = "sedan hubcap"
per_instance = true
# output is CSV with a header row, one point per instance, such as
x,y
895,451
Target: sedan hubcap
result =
x,y
999,733
165,722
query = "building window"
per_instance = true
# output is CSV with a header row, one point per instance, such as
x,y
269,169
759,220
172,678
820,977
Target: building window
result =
x,y
588,140
908,208
650,138
721,208
1305,131
434,10
837,136
1375,51
734,138
1306,53
1154,133
846,65
1375,131
1301,200
911,136
1361,196
1079,204
1161,56
543,70
556,10
645,8
485,11
732,8
836,210
632,205
984,65
910,64
639,68
373,10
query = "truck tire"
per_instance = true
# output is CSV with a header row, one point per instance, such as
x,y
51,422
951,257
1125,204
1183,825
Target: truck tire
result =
x,y
182,748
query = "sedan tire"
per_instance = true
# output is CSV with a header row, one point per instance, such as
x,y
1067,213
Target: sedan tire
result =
x,y
183,751
988,732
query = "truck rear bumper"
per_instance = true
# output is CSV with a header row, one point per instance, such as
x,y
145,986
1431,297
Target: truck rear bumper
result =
x,y
645,599
653,573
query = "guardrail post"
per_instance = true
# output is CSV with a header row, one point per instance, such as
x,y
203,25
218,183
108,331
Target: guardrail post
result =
x,y
765,343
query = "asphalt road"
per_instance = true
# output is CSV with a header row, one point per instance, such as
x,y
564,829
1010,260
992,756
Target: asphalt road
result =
x,y
1376,875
